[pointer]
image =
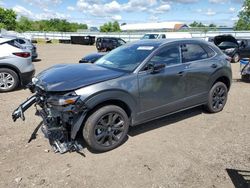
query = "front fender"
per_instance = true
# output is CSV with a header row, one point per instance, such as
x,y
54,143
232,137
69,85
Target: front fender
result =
x,y
108,95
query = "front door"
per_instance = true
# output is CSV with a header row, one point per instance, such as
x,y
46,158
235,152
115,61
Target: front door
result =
x,y
161,92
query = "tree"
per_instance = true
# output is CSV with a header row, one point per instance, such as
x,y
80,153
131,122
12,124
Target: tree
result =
x,y
196,24
7,19
110,27
116,27
24,24
212,25
244,17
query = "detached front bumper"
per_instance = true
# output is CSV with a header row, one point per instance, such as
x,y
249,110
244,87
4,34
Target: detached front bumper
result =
x,y
60,123
19,112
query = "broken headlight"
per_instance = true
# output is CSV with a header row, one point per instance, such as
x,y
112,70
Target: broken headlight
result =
x,y
62,100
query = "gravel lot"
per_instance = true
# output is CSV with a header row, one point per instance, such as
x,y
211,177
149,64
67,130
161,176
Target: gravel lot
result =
x,y
188,149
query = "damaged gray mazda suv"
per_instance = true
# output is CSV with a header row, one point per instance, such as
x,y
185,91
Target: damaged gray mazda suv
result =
x,y
133,84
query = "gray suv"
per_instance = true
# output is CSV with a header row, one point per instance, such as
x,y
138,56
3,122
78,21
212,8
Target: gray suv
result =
x,y
132,84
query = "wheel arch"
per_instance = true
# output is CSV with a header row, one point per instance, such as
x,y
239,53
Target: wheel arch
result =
x,y
225,80
113,97
12,67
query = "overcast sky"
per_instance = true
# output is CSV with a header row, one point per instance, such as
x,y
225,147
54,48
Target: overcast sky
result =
x,y
96,12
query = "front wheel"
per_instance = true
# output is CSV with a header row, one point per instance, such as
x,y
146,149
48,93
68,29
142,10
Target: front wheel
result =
x,y
217,97
106,128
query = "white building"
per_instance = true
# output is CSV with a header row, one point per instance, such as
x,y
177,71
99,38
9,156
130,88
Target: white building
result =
x,y
159,26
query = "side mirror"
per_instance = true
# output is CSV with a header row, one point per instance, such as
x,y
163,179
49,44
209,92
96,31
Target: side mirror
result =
x,y
155,68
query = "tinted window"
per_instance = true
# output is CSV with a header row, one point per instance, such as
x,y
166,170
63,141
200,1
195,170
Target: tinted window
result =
x,y
192,52
150,36
209,51
20,41
121,42
163,36
168,55
15,44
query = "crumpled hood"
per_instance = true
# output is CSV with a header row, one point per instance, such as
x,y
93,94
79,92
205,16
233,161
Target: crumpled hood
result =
x,y
67,77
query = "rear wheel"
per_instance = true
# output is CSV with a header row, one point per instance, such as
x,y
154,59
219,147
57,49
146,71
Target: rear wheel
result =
x,y
8,80
106,128
217,97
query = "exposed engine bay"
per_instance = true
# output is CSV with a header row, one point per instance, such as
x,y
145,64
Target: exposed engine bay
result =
x,y
62,115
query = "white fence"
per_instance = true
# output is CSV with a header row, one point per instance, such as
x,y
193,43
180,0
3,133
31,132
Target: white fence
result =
x,y
131,36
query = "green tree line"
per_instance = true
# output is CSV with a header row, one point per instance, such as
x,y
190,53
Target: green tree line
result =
x,y
110,27
9,21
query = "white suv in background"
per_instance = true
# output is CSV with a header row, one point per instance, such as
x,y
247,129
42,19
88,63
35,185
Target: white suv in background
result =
x,y
16,67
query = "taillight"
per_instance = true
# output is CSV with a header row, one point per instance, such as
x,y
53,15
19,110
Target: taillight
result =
x,y
22,54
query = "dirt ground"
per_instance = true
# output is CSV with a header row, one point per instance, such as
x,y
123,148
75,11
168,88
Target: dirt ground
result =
x,y
188,149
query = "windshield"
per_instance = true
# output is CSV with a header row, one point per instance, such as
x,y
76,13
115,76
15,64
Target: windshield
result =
x,y
125,58
150,36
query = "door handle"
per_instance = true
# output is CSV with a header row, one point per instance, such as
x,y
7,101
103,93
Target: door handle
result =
x,y
180,73
214,65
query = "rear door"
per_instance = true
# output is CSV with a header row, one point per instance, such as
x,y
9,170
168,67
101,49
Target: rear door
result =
x,y
200,65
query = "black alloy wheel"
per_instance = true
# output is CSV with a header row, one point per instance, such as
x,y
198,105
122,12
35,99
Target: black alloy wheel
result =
x,y
106,128
217,97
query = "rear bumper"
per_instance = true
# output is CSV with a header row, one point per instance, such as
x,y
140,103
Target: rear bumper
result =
x,y
26,77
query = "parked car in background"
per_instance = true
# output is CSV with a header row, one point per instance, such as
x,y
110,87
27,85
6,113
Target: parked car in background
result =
x,y
245,69
93,57
130,85
231,47
153,36
16,67
106,44
166,35
244,49
28,45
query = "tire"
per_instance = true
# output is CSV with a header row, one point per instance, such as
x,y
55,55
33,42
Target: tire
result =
x,y
9,80
217,97
236,58
106,128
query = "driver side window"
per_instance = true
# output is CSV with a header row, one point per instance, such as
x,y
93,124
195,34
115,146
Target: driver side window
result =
x,y
169,55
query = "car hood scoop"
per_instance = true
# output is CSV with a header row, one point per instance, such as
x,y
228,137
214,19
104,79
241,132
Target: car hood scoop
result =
x,y
67,77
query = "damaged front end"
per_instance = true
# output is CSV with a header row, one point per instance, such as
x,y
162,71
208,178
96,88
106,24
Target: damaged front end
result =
x,y
62,113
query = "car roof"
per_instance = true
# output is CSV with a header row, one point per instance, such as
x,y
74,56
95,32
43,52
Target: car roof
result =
x,y
2,40
160,42
110,37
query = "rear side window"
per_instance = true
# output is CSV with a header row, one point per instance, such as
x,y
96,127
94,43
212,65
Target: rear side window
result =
x,y
121,42
20,41
192,52
209,51
14,43
163,36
